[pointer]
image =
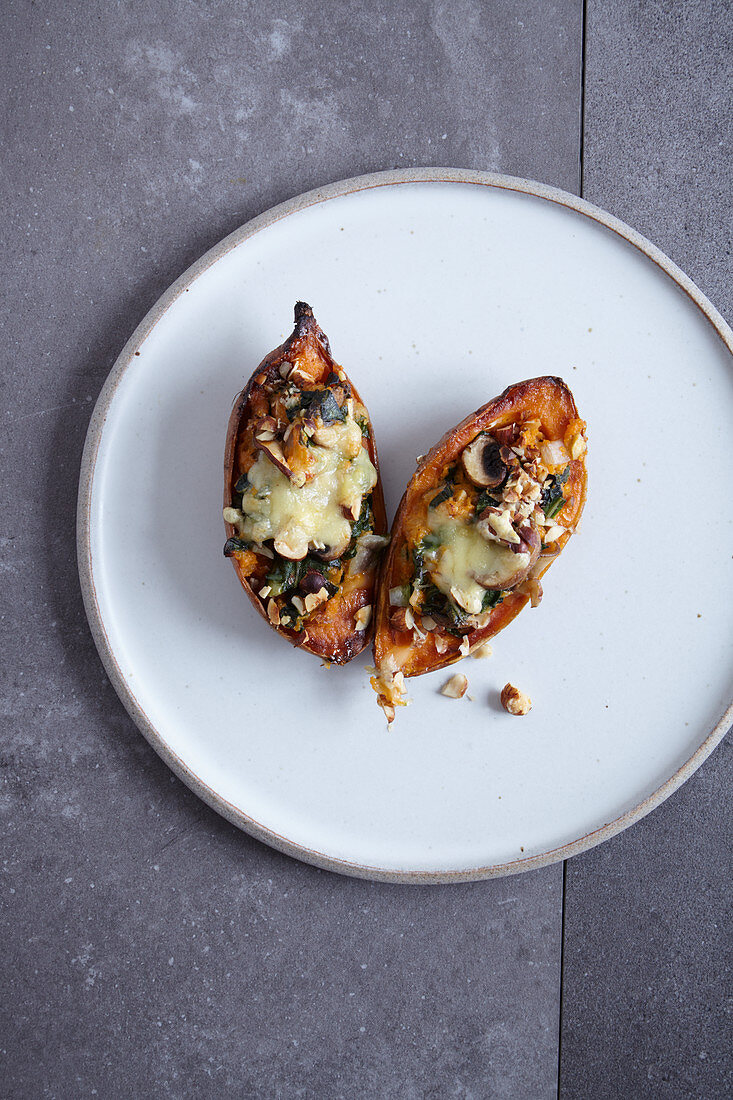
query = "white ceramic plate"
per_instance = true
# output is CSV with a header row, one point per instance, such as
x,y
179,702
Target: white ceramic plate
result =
x,y
437,289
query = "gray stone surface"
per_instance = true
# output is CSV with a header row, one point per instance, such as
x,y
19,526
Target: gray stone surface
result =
x,y
148,947
646,976
658,129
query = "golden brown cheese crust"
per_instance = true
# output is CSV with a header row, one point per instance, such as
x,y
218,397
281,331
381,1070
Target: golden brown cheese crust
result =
x,y
330,631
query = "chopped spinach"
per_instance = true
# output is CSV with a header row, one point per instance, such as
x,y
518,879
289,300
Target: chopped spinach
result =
x,y
330,410
233,544
433,599
492,598
291,574
445,494
321,403
291,618
552,498
364,523
447,490
242,483
425,546
286,575
443,609
485,500
364,425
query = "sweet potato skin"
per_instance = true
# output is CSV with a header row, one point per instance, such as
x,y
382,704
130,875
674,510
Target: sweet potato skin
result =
x,y
547,399
329,632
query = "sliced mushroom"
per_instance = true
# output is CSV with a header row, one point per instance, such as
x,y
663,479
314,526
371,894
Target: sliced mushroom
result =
x,y
508,570
368,547
292,543
483,462
512,563
328,553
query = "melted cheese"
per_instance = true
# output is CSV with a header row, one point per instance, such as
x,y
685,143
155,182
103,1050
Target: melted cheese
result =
x,y
310,517
465,555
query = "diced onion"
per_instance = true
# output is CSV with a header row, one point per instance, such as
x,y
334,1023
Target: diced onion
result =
x,y
554,452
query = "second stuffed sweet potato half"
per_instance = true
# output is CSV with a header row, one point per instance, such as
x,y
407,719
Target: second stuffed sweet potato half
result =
x,y
303,501
485,514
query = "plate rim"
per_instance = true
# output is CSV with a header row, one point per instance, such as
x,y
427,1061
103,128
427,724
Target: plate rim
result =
x,y
232,813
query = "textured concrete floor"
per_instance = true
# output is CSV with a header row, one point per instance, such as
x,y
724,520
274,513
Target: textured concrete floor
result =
x,y
150,948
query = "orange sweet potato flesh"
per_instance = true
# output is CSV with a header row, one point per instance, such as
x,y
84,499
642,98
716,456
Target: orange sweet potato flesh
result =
x,y
330,631
546,399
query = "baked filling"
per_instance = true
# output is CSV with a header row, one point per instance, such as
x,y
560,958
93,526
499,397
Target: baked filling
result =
x,y
302,500
484,530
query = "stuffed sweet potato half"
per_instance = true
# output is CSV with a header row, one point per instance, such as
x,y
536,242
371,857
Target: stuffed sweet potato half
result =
x,y
484,516
303,503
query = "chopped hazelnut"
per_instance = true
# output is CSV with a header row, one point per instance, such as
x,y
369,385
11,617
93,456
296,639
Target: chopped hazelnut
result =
x,y
299,376
455,688
401,618
363,617
552,534
233,516
315,599
578,446
515,701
